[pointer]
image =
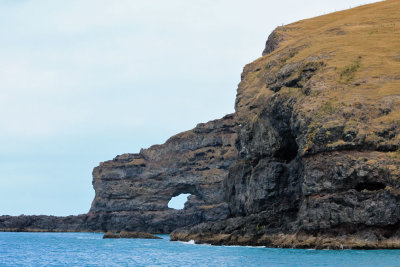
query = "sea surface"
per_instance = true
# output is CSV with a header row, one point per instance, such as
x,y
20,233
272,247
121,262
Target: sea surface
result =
x,y
89,249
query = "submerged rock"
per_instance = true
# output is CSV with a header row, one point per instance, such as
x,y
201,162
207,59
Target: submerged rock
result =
x,y
125,234
111,235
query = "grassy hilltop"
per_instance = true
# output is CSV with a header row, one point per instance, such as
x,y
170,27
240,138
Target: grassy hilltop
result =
x,y
343,68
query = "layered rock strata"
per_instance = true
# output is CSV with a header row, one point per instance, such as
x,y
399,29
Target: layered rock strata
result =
x,y
133,190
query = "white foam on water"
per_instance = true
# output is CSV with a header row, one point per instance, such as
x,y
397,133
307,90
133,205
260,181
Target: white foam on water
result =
x,y
192,242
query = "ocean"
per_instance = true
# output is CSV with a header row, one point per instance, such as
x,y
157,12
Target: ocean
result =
x,y
89,249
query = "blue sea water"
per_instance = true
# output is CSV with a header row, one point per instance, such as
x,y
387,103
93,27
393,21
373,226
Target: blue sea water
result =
x,y
89,249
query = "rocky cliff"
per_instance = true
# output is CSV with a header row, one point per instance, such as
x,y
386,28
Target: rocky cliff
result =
x,y
309,159
319,156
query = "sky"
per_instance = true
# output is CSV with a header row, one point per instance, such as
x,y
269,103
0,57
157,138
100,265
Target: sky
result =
x,y
82,81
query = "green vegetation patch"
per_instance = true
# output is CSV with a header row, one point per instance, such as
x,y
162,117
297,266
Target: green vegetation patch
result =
x,y
349,71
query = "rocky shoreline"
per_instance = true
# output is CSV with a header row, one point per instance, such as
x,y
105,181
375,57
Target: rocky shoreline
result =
x,y
299,241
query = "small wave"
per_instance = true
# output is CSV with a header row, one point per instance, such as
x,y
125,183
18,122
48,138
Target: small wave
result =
x,y
190,242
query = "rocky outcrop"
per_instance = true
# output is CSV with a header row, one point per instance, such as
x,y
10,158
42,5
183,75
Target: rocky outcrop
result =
x,y
125,234
43,223
133,190
273,41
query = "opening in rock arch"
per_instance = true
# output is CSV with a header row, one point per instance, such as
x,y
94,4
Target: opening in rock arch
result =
x,y
178,202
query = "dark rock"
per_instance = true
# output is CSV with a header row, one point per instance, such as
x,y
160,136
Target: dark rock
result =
x,y
111,235
273,42
125,234
44,223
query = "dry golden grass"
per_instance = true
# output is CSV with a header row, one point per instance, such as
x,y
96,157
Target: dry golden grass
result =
x,y
360,50
364,42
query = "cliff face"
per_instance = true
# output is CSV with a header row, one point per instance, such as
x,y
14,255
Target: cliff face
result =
x,y
318,145
309,159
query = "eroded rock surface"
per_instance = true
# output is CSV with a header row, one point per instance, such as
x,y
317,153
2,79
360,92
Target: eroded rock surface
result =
x,y
133,190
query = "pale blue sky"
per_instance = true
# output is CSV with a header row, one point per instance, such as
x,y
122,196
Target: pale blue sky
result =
x,y
83,81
